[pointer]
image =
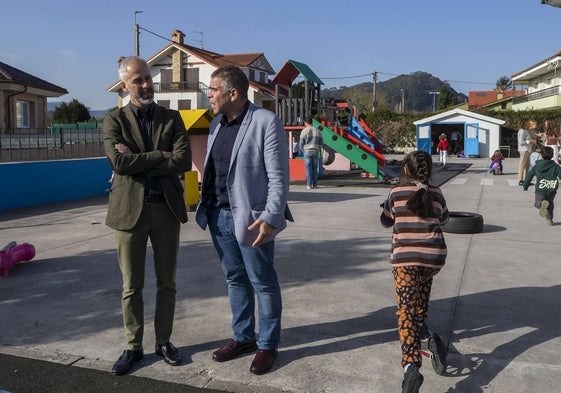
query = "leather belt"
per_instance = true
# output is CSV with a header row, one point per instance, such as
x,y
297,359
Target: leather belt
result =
x,y
148,200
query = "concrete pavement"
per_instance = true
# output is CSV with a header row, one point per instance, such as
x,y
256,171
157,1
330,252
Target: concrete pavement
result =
x,y
495,304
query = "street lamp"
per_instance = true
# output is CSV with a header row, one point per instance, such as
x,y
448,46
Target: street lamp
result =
x,y
434,94
553,3
136,34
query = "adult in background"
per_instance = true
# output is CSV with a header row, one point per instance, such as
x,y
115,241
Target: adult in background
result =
x,y
552,137
311,143
455,138
244,203
148,148
525,148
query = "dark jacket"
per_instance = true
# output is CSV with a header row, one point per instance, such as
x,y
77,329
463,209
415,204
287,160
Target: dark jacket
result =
x,y
131,170
547,174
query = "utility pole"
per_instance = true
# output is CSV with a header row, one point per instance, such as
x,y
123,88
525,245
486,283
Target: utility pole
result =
x,y
434,94
402,100
136,35
374,76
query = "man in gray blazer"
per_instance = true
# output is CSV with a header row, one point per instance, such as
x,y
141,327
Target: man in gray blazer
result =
x,y
148,148
244,203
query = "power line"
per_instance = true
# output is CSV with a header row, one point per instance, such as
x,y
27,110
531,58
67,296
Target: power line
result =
x,y
392,74
334,77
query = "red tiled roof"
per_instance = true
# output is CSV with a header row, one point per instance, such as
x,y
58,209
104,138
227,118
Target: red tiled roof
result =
x,y
217,60
9,74
484,97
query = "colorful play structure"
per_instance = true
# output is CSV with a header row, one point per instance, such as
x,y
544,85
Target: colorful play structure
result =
x,y
352,139
356,141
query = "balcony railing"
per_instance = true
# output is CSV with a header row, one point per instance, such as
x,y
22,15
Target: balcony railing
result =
x,y
183,87
551,91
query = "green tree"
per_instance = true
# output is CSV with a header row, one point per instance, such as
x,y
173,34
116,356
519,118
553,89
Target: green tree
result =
x,y
73,112
446,98
504,83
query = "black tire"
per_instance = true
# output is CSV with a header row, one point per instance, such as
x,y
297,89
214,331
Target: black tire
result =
x,y
462,222
328,155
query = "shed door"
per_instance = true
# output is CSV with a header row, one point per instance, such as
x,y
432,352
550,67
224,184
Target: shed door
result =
x,y
424,142
471,141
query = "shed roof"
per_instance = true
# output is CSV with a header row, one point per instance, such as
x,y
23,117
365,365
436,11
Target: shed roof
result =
x,y
458,112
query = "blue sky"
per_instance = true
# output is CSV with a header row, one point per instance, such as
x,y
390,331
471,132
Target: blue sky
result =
x,y
471,44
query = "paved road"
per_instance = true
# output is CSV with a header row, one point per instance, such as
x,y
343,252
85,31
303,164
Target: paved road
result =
x,y
496,302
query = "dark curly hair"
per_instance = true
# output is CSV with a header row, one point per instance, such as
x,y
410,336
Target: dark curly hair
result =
x,y
417,168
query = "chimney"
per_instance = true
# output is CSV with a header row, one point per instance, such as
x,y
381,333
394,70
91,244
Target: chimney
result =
x,y
177,57
177,36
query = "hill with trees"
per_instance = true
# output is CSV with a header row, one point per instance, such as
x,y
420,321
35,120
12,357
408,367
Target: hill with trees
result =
x,y
417,92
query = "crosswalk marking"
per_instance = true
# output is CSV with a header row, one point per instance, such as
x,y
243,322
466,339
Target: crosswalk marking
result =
x,y
458,181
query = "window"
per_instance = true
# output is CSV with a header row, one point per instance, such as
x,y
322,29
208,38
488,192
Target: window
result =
x,y
262,77
164,103
183,104
251,74
22,114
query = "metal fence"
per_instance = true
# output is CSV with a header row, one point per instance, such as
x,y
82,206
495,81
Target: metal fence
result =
x,y
53,143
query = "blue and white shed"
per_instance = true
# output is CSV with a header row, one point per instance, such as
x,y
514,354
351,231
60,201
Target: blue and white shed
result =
x,y
480,134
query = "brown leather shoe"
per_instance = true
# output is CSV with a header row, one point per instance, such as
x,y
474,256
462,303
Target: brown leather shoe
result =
x,y
263,361
233,349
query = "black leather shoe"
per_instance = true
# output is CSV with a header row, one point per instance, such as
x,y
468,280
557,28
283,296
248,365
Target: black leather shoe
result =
x,y
233,349
126,361
170,353
263,361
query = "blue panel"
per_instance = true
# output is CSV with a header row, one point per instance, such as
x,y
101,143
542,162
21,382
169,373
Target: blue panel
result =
x,y
42,182
424,143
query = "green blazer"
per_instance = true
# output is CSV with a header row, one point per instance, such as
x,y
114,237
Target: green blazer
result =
x,y
126,197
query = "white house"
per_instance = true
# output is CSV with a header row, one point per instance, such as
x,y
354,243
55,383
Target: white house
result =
x,y
541,83
181,74
480,134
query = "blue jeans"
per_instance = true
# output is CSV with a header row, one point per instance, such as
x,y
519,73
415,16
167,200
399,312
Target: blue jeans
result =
x,y
248,271
311,161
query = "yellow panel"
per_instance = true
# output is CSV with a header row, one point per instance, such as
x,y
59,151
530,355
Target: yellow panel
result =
x,y
191,187
196,118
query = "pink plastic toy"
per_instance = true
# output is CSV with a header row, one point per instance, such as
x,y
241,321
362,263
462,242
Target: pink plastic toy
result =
x,y
13,254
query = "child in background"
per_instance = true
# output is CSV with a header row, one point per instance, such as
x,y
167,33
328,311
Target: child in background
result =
x,y
535,156
442,148
547,174
496,165
416,210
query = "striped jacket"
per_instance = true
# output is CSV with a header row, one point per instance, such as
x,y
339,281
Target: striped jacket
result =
x,y
416,241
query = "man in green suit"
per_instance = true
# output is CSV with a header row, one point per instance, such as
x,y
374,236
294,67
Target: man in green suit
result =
x,y
148,147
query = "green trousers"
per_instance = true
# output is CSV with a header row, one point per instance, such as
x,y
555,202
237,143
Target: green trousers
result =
x,y
158,224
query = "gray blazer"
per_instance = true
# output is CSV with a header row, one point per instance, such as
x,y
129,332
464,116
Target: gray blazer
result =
x,y
258,178
126,199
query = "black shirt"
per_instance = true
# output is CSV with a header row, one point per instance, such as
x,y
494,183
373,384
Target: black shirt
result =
x,y
146,124
220,157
